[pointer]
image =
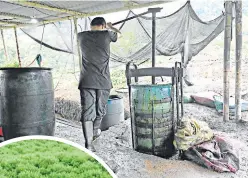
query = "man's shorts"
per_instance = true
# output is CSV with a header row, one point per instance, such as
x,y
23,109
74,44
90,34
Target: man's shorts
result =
x,y
93,104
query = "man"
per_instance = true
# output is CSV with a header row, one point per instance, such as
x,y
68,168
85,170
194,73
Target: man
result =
x,y
95,82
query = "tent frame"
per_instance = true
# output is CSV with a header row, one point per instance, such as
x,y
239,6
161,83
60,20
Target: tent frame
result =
x,y
71,13
131,5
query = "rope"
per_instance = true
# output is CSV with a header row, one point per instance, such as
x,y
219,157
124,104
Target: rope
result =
x,y
72,38
61,75
42,36
80,27
47,45
58,30
31,63
40,46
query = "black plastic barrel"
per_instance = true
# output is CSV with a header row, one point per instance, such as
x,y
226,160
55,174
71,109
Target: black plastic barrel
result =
x,y
26,102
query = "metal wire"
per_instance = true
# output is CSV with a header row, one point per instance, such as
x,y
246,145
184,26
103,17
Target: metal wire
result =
x,y
61,75
58,30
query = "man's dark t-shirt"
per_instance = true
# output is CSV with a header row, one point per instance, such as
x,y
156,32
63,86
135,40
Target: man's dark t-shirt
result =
x,y
95,48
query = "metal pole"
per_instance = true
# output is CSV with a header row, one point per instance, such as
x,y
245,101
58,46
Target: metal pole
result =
x,y
17,49
153,42
4,46
78,43
238,21
177,94
227,45
154,11
130,18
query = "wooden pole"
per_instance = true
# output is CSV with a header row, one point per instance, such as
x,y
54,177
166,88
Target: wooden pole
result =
x,y
227,45
4,46
17,48
78,43
238,21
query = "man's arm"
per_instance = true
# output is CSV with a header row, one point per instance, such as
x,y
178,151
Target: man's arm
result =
x,y
109,26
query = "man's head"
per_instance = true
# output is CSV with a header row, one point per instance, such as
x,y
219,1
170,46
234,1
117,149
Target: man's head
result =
x,y
98,23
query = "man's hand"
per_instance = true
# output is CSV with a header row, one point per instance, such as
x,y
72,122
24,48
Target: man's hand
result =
x,y
109,25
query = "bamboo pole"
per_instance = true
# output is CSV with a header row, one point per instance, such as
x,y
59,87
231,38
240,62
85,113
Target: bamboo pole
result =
x,y
17,48
238,21
4,46
7,14
227,45
50,8
78,43
4,22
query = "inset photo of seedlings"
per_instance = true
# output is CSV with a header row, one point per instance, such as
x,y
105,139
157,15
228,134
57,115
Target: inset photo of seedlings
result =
x,y
48,158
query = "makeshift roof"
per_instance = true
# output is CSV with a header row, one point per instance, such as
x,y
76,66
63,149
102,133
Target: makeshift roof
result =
x,y
19,13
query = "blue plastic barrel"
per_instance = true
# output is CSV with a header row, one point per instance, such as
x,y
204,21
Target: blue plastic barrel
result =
x,y
115,112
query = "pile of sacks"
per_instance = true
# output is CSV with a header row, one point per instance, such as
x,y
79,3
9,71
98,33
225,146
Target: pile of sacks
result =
x,y
199,144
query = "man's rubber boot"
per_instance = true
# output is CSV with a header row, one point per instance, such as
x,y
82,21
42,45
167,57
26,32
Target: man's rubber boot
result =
x,y
186,77
88,134
96,128
96,133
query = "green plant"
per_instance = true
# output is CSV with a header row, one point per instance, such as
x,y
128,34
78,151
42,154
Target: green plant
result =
x,y
47,159
12,63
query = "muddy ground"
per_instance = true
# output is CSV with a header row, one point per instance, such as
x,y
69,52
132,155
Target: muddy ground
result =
x,y
114,145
